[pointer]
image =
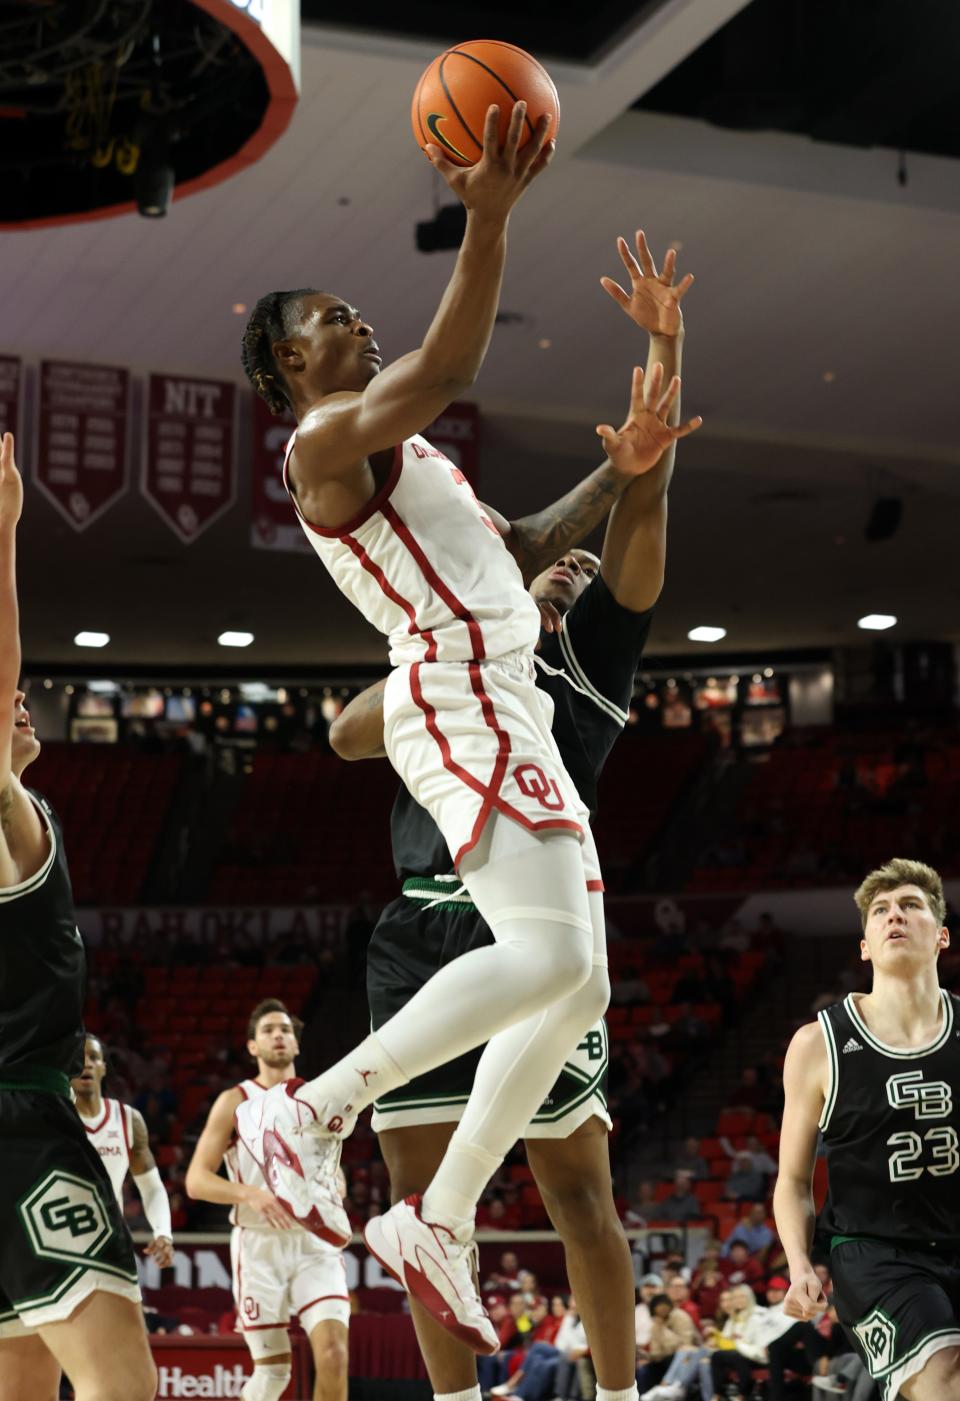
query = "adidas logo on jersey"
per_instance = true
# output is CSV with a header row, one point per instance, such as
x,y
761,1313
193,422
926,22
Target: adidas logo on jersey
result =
x,y
852,1045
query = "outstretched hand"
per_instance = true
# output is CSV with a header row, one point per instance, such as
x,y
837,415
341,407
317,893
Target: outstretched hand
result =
x,y
639,444
652,302
11,483
493,185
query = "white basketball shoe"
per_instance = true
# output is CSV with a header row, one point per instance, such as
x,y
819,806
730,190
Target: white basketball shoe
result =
x,y
299,1157
436,1268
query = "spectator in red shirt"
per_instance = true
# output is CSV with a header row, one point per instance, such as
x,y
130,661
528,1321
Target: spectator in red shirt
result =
x,y
678,1292
547,1330
706,1290
506,1277
739,1267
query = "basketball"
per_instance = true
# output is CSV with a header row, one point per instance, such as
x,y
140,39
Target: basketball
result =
x,y
451,99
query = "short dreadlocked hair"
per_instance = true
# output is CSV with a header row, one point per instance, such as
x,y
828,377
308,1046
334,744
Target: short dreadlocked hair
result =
x,y
274,318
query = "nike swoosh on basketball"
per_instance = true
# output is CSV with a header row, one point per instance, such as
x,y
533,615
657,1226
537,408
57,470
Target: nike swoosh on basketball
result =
x,y
433,126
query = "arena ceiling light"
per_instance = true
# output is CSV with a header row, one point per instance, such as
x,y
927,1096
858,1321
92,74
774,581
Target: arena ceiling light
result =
x,y
91,639
706,634
235,639
876,622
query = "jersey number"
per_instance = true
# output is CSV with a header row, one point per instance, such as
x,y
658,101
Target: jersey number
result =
x,y
909,1146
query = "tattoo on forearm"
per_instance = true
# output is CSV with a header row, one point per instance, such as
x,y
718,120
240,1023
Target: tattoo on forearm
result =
x,y
541,538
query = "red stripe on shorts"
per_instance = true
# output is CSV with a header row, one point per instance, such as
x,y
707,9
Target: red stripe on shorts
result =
x,y
458,609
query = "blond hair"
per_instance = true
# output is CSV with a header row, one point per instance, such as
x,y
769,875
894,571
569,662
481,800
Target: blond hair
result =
x,y
899,872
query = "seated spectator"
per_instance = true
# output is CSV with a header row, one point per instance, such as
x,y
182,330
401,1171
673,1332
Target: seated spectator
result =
x,y
536,1378
674,1263
631,991
490,1217
678,1292
767,933
744,1329
529,1287
671,1329
512,1210
506,1277
690,1159
748,1093
650,1286
760,1159
753,1231
681,1205
644,1207
734,938
706,1290
745,1184
739,1267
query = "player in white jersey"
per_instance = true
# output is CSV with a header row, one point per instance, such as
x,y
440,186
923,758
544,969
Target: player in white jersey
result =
x,y
279,1268
401,533
119,1134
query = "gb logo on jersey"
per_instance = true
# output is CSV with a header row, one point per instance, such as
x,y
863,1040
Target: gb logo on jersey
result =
x,y
878,1336
533,783
929,1099
64,1218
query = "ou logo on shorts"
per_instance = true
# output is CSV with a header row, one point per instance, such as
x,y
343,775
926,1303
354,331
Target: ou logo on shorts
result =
x,y
533,783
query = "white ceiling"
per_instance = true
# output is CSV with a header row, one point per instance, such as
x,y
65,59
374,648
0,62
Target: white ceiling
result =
x,y
807,259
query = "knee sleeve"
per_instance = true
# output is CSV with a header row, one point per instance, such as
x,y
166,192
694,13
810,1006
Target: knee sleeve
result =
x,y
266,1343
268,1383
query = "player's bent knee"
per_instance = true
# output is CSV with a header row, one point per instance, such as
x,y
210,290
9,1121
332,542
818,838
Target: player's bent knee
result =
x,y
269,1381
580,1210
332,1358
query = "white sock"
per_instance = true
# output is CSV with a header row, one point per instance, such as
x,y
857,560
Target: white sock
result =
x,y
473,1394
453,1200
605,1394
354,1082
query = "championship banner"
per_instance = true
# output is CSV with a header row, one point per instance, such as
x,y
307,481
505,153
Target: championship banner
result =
x,y
11,379
457,434
273,521
82,419
189,467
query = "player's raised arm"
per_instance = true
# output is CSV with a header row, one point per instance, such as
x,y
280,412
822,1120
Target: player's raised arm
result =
x,y
153,1194
203,1181
804,1080
634,550
11,505
408,394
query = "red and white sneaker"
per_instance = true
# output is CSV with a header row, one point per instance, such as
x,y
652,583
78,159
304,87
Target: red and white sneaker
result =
x,y
436,1268
299,1158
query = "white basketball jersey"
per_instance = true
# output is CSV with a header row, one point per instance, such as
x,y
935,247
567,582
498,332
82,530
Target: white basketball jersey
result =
x,y
111,1134
426,566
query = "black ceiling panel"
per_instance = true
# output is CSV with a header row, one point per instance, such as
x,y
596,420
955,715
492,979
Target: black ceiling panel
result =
x,y
574,32
852,72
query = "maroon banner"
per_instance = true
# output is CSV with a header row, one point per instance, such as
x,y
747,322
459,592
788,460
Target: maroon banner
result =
x,y
10,382
82,417
273,521
457,434
189,467
219,1366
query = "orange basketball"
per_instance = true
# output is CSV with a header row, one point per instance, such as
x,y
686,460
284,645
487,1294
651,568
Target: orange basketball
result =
x,y
451,99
